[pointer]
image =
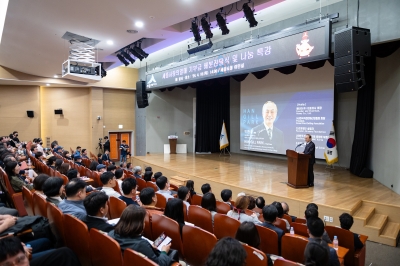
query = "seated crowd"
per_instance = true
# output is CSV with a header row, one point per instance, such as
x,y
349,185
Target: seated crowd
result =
x,y
91,206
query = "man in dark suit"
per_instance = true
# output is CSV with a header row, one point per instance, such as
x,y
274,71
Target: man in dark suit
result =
x,y
266,136
270,213
310,149
106,144
97,208
106,156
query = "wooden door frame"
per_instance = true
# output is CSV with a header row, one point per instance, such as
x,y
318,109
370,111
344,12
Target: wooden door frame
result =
x,y
132,146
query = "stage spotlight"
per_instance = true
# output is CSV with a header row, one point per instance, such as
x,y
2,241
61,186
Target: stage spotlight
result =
x,y
127,56
195,30
135,53
221,22
206,27
249,14
139,50
122,59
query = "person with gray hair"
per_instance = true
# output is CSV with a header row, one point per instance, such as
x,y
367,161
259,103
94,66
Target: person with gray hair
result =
x,y
285,207
137,171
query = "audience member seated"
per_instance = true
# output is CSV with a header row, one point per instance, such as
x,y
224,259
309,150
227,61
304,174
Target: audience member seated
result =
x,y
93,165
67,155
346,222
51,162
137,172
58,164
205,188
226,196
227,251
123,166
84,154
101,168
59,151
247,233
312,212
105,158
53,188
316,229
148,168
238,212
129,167
64,168
111,168
129,191
77,151
99,158
17,181
148,199
97,208
38,184
147,176
120,176
278,206
72,173
34,149
285,207
40,156
78,159
270,213
108,180
6,221
252,203
75,191
260,203
174,210
128,232
209,202
190,186
184,195
163,184
157,175
316,254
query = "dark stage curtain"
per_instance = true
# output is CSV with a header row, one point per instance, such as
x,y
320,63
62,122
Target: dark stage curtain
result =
x,y
364,117
212,107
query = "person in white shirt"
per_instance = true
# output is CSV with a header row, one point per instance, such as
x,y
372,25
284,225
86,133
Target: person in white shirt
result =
x,y
109,181
184,194
163,184
239,213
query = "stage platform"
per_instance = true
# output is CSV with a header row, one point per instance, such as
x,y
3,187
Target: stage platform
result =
x,y
376,208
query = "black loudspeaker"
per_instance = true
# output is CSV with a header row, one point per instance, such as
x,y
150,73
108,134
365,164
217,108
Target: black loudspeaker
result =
x,y
367,173
351,46
30,114
58,112
141,94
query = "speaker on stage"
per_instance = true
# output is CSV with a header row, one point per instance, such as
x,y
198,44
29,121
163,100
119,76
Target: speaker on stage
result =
x,y
141,94
351,46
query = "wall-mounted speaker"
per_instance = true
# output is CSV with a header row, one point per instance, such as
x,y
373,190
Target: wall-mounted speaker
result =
x,y
30,114
141,94
58,112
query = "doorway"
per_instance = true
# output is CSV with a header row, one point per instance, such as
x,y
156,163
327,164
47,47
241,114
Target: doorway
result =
x,y
116,139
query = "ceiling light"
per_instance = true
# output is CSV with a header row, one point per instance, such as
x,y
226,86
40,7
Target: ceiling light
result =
x,y
138,48
109,42
221,22
139,24
47,84
195,30
135,53
127,56
249,14
122,59
55,76
206,27
132,31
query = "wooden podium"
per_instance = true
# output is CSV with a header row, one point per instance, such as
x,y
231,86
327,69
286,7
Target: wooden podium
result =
x,y
297,169
172,146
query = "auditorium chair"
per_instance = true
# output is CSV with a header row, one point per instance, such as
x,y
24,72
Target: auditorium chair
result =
x,y
248,212
40,205
185,213
96,179
346,239
200,217
222,207
300,229
51,171
173,187
287,218
292,248
197,244
255,257
117,206
132,257
152,185
77,238
15,199
81,169
116,188
196,200
161,201
56,220
269,240
147,231
283,262
58,174
142,184
65,178
225,226
301,220
281,224
88,173
86,162
162,224
27,195
104,250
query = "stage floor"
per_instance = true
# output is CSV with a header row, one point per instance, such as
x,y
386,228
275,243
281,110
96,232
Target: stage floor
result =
x,y
336,188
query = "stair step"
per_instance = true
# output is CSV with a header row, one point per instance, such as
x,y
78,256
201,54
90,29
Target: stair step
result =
x,y
364,212
391,230
377,221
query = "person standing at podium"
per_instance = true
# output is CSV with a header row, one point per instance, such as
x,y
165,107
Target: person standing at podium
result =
x,y
310,150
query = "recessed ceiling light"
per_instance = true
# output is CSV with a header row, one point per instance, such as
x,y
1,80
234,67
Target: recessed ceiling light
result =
x,y
47,84
55,76
109,42
151,17
132,31
139,24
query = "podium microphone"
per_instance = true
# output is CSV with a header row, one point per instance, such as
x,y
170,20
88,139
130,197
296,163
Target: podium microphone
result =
x,y
298,146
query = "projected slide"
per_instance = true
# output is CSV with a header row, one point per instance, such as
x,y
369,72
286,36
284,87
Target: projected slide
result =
x,y
272,123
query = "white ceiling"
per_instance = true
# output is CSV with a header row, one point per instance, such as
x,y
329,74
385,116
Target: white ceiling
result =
x,y
32,43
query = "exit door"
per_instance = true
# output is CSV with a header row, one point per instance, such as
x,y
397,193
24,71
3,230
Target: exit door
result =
x,y
116,139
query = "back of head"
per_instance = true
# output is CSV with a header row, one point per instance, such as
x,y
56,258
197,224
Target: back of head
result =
x,y
39,181
205,188
75,186
182,192
64,168
148,168
157,175
316,227
52,186
111,167
260,202
346,221
209,202
285,207
174,210
131,223
252,203
128,185
227,251
148,175
58,163
94,201
226,195
311,213
10,166
93,165
312,205
119,173
242,202
51,160
161,182
316,254
190,184
10,247
248,233
137,169
106,177
278,206
71,174
146,195
270,213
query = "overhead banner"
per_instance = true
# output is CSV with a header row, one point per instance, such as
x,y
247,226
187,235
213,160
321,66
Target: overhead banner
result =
x,y
296,45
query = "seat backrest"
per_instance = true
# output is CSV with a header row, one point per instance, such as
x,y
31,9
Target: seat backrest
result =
x,y
8,184
82,170
283,262
117,206
56,220
288,218
77,238
152,185
160,224
200,217
148,231
40,205
255,257
225,226
58,174
346,239
65,178
142,184
300,220
132,257
222,207
104,250
292,248
196,254
269,240
161,201
116,188
196,200
96,179
28,201
173,187
88,173
281,224
300,229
